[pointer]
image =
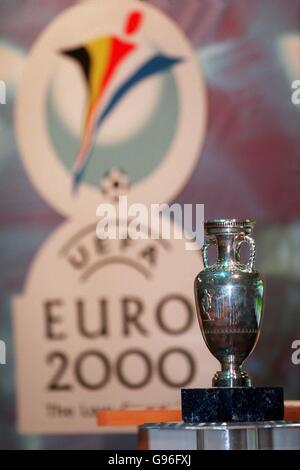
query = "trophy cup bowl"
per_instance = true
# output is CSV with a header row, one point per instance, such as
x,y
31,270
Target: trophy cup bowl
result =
x,y
229,299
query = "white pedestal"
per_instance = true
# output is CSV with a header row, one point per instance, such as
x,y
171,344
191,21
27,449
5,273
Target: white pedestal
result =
x,y
271,435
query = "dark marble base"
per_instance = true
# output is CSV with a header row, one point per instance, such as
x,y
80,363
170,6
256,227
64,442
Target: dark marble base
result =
x,y
238,404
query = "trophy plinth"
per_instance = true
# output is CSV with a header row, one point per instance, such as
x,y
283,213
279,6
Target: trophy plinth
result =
x,y
232,404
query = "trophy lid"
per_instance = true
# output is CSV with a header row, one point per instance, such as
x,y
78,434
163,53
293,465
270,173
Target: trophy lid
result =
x,y
219,226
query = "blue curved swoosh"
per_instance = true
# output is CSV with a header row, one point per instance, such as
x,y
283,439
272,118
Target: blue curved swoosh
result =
x,y
154,65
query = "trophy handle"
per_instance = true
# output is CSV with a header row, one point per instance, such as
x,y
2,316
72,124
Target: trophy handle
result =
x,y
251,263
206,245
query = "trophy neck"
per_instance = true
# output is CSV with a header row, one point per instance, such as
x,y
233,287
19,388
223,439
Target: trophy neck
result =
x,y
227,235
227,252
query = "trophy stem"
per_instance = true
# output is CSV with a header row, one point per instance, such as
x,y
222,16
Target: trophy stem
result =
x,y
231,374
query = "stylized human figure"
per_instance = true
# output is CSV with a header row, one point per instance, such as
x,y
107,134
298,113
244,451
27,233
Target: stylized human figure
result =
x,y
99,60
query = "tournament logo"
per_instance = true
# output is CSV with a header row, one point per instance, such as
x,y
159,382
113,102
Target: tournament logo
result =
x,y
100,59
123,94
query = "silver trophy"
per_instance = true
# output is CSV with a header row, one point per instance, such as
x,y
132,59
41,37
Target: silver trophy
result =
x,y
229,299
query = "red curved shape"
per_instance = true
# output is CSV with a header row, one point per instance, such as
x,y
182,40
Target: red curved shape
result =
x,y
133,22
